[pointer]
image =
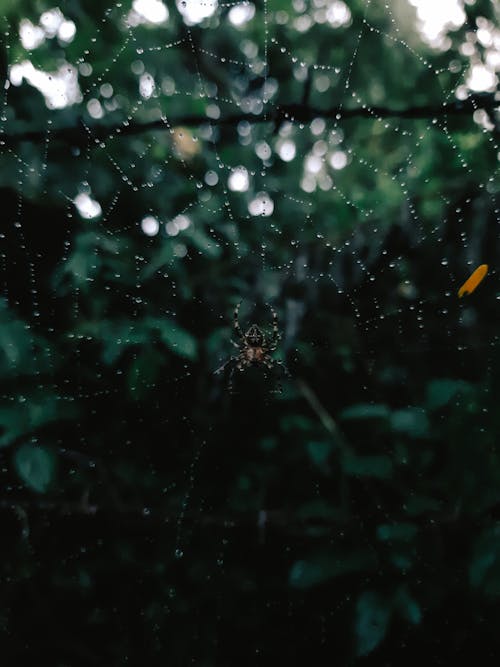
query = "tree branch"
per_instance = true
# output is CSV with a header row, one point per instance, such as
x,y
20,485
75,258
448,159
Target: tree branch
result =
x,y
325,417
83,135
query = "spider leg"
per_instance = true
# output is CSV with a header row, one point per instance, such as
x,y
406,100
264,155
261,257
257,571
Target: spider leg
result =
x,y
236,324
268,362
235,344
230,383
240,363
271,363
283,367
275,337
221,368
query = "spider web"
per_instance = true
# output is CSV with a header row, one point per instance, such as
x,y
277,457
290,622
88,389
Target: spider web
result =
x,y
173,160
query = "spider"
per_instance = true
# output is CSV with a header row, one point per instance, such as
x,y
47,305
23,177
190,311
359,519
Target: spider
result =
x,y
254,348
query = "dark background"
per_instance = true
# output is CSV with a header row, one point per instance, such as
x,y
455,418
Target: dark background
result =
x,y
149,516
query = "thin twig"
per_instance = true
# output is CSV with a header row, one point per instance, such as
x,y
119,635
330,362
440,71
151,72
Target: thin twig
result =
x,y
325,417
82,135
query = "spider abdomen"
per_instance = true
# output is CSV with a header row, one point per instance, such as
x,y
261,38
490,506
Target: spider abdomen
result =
x,y
254,353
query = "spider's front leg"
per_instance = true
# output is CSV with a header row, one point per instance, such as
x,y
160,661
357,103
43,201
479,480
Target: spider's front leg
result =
x,y
271,363
240,365
236,324
235,363
283,366
226,363
275,336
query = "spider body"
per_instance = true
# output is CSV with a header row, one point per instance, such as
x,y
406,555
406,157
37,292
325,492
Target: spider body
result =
x,y
254,348
254,354
254,336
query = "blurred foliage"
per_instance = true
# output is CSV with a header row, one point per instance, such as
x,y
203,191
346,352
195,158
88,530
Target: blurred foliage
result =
x,y
150,517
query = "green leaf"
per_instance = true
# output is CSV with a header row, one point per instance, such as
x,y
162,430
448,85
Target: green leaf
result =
x,y
291,423
14,340
82,266
416,505
21,350
163,256
203,242
121,335
319,452
408,607
305,574
36,466
372,619
484,568
442,391
308,573
365,411
319,509
143,372
268,443
411,421
116,336
177,339
29,413
368,466
401,561
402,532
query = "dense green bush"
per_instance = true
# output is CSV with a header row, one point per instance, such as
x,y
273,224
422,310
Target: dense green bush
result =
x,y
151,517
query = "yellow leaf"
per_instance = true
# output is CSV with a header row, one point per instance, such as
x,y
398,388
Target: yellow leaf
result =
x,y
473,280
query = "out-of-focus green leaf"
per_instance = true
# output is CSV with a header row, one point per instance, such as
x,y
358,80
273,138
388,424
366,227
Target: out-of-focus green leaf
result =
x,y
30,412
402,561
319,451
119,335
411,421
177,339
365,411
407,606
373,614
15,341
318,509
403,532
268,443
143,372
293,422
203,242
368,466
116,336
308,573
163,256
36,466
22,351
416,505
484,568
83,264
442,391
